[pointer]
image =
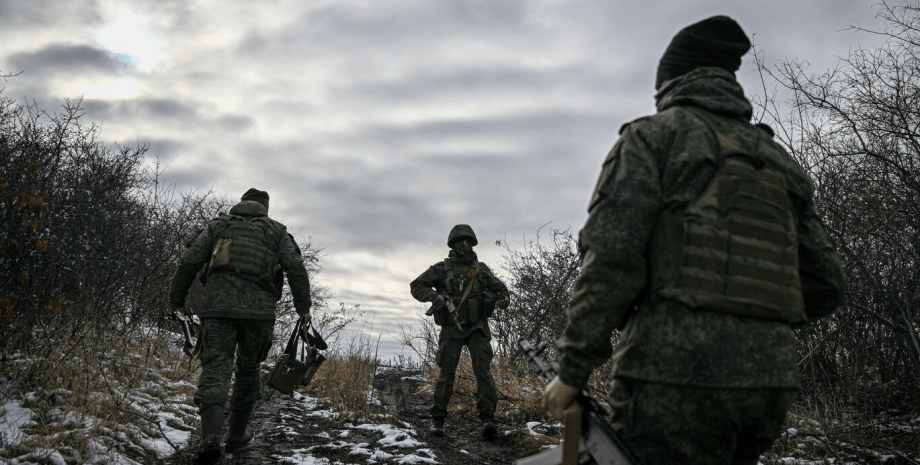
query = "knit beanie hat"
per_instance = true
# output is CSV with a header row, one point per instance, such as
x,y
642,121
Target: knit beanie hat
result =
x,y
257,195
717,41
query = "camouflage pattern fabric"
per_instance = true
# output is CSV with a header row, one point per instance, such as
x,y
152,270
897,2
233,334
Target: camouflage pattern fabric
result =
x,y
663,162
239,314
227,295
661,423
475,334
434,281
249,340
448,358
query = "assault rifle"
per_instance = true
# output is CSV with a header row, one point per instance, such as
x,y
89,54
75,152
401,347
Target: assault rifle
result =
x,y
451,310
597,443
190,324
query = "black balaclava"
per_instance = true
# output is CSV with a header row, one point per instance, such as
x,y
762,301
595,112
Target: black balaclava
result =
x,y
463,257
717,41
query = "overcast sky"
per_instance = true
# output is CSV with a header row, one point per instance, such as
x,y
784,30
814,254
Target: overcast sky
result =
x,y
376,126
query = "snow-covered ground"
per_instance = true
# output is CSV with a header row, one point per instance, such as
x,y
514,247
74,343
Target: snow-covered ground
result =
x,y
31,426
156,420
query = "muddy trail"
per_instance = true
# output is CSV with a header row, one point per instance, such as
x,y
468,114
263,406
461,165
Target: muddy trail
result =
x,y
301,430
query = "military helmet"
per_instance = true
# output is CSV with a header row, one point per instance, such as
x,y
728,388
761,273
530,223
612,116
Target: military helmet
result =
x,y
460,231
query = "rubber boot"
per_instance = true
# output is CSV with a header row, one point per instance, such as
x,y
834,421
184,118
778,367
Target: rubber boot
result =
x,y
239,434
212,418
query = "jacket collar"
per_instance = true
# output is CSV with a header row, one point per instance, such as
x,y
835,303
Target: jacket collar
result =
x,y
249,208
710,88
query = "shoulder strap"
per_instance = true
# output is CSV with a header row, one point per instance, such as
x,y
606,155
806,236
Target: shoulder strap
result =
x,y
449,268
469,286
225,218
722,129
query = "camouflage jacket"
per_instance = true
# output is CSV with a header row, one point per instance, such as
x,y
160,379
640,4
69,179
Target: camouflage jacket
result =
x,y
664,161
227,295
434,281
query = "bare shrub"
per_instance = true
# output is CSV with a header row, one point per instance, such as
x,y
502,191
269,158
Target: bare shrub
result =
x,y
91,236
541,277
855,130
87,391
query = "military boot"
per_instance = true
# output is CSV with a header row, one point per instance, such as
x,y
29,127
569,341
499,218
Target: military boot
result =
x,y
239,434
212,418
437,427
489,430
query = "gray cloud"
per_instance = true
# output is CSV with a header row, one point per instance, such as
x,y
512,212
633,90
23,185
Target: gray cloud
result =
x,y
375,128
63,58
501,83
165,149
160,108
365,21
142,108
235,122
17,15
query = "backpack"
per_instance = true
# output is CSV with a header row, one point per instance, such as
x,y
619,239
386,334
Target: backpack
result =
x,y
734,249
247,247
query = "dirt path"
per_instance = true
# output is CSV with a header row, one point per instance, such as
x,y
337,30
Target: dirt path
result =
x,y
296,430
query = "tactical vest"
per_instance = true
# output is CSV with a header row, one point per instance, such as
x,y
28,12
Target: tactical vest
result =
x,y
246,246
456,282
734,249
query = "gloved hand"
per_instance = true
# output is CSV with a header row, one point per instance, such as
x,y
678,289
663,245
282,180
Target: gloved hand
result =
x,y
503,303
558,396
305,327
436,301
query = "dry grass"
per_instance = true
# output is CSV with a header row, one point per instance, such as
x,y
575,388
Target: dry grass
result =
x,y
94,389
520,393
345,380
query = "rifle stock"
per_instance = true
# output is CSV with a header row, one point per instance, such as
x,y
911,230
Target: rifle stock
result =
x,y
598,444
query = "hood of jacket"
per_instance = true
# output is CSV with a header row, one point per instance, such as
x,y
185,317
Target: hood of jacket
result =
x,y
713,89
249,208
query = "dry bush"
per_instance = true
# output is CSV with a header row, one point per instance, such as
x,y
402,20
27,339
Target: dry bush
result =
x,y
854,128
95,389
345,380
814,432
541,276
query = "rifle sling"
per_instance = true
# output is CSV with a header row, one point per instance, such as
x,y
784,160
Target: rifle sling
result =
x,y
469,286
571,419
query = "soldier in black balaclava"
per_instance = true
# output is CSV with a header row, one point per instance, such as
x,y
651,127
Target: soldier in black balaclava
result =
x,y
475,292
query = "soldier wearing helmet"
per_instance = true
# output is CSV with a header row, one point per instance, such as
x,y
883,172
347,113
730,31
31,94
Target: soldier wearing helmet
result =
x,y
475,292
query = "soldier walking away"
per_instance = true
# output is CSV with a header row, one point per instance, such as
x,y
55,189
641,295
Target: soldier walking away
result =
x,y
247,254
702,244
464,283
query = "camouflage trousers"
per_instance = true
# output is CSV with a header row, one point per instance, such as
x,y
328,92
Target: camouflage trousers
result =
x,y
448,358
671,424
222,339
